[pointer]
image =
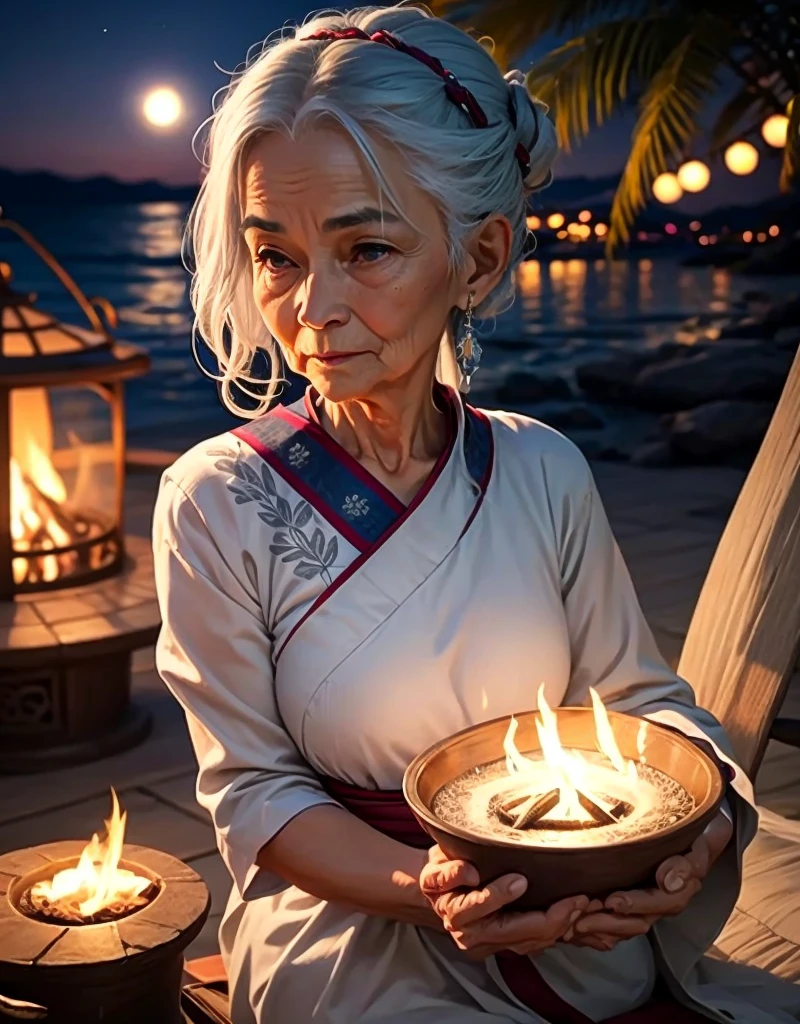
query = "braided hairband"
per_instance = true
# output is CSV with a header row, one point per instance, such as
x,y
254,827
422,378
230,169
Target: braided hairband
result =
x,y
455,91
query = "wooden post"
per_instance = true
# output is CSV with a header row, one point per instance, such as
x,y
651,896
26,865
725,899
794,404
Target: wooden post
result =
x,y
744,638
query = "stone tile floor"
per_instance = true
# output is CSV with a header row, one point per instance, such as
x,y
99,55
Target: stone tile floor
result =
x,y
668,524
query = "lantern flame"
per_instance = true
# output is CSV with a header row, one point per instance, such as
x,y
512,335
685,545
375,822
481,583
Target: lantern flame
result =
x,y
42,519
97,883
572,774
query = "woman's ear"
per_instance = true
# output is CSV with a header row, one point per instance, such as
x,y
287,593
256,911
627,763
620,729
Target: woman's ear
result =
x,y
488,252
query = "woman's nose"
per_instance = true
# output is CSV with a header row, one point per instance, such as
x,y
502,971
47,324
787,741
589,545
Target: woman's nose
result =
x,y
320,302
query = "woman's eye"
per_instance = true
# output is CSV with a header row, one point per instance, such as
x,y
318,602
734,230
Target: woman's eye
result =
x,y
272,259
371,252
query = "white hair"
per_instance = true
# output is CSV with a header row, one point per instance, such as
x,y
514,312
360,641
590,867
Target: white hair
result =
x,y
373,92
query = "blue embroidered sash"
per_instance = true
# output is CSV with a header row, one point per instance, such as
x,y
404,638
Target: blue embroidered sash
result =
x,y
356,504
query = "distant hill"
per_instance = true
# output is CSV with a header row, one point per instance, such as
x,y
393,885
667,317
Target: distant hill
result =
x,y
44,187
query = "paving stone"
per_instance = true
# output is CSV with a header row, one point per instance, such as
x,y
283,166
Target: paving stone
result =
x,y
149,823
214,873
207,942
165,753
180,790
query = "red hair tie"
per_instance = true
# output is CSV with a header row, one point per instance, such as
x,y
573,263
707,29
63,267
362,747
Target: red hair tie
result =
x,y
454,90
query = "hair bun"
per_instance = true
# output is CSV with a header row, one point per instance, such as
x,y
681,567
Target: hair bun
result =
x,y
534,130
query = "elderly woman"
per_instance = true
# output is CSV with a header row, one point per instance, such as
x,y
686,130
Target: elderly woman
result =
x,y
352,578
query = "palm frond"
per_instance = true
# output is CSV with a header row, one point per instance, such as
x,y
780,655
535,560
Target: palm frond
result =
x,y
515,25
739,106
791,153
587,78
668,119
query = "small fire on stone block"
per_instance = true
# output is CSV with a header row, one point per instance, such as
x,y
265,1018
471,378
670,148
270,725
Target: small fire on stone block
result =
x,y
97,889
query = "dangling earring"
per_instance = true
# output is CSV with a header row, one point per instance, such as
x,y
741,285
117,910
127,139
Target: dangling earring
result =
x,y
468,351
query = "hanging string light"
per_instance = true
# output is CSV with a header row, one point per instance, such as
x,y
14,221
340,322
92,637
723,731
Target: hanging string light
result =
x,y
693,176
774,130
667,188
741,157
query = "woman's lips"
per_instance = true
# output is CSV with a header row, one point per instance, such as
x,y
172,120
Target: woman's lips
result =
x,y
334,358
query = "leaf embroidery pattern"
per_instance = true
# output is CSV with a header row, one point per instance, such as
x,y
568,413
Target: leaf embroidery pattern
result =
x,y
290,542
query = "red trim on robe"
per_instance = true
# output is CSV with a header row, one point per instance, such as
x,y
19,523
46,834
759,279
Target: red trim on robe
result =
x,y
337,522
487,475
366,553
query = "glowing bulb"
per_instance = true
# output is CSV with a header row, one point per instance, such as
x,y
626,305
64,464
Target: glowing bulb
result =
x,y
741,158
670,229
693,176
561,234
584,216
555,220
600,229
703,240
695,225
162,107
747,236
584,231
773,130
762,236
667,188
533,222
574,227
774,230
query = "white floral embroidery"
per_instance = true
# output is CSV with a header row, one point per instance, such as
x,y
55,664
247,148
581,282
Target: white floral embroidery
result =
x,y
298,455
355,506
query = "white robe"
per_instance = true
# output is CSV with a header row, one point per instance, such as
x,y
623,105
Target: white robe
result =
x,y
454,615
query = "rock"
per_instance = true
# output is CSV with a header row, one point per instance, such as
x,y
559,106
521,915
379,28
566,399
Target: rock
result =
x,y
612,379
609,380
523,387
573,417
718,430
601,451
654,453
787,337
723,372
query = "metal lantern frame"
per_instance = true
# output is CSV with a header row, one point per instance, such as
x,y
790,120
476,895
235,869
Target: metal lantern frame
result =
x,y
92,359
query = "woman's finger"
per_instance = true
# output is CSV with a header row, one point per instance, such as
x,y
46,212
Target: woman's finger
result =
x,y
653,902
602,943
674,873
446,875
613,926
534,928
466,908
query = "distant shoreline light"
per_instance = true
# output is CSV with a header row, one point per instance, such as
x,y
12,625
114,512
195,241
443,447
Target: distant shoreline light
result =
x,y
162,107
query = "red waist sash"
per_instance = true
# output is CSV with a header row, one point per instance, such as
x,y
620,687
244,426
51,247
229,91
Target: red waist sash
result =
x,y
387,812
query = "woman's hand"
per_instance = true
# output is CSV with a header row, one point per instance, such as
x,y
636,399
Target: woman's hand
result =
x,y
678,880
475,919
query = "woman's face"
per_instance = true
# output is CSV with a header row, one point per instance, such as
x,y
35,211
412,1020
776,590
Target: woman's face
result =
x,y
357,300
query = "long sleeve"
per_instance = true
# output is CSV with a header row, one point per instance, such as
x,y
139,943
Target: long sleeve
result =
x,y
214,654
614,651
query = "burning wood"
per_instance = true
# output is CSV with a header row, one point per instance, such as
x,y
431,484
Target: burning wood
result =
x,y
564,791
97,889
522,811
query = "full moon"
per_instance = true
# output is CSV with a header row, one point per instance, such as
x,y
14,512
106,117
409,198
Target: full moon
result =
x,y
162,107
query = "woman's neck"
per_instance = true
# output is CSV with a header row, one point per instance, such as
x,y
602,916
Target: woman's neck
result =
x,y
397,430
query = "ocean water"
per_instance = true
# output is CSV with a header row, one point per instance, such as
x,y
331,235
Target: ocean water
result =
x,y
567,310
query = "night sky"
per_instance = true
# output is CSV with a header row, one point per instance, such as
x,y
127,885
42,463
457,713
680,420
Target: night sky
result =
x,y
73,74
